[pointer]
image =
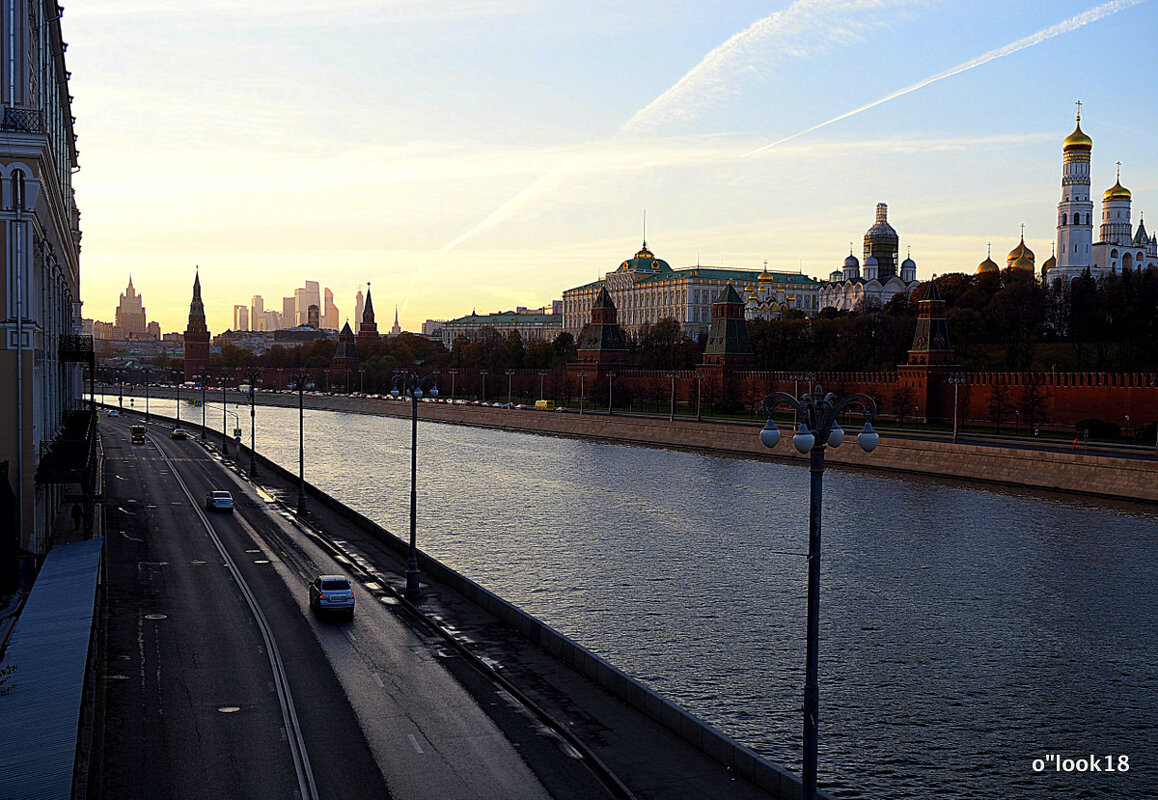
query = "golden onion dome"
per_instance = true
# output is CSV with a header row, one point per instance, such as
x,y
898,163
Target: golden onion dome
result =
x,y
1019,252
1077,140
1049,264
1117,192
988,265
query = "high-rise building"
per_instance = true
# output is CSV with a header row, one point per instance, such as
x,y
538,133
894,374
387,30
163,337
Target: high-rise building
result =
x,y
289,312
131,322
359,308
241,318
330,312
40,379
313,317
196,335
257,319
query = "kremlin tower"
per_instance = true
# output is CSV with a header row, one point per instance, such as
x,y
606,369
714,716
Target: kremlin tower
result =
x,y
196,335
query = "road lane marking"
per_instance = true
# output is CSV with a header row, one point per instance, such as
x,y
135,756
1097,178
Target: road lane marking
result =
x,y
414,742
378,680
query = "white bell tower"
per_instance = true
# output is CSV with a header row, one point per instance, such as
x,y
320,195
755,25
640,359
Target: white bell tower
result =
x,y
1075,230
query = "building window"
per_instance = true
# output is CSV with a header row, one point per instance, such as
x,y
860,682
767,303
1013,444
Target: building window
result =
x,y
18,189
1064,219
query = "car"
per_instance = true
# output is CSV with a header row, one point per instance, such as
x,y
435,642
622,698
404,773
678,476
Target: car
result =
x,y
562,409
219,500
179,433
332,593
114,413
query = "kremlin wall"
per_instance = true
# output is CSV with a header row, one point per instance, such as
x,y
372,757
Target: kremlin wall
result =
x,y
929,388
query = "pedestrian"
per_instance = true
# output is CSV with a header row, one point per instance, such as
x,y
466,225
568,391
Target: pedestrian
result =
x,y
1075,444
77,516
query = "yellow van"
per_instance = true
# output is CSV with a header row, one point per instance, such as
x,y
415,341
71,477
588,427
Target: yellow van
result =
x,y
544,405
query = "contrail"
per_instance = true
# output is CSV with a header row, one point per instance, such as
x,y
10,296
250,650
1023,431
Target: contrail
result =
x,y
1085,18
804,20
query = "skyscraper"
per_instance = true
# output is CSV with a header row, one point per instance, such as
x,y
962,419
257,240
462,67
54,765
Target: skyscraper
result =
x,y
240,318
131,322
359,308
257,319
289,312
330,312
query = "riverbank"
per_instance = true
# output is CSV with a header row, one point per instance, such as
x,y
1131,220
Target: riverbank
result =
x,y
1038,467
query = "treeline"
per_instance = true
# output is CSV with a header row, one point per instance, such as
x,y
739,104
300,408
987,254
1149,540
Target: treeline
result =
x,y
1000,321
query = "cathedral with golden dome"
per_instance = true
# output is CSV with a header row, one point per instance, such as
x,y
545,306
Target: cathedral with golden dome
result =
x,y
880,279
1119,247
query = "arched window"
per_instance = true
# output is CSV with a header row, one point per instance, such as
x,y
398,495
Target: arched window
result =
x,y
1064,217
18,189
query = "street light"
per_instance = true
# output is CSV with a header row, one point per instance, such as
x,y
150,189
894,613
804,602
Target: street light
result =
x,y
361,381
300,380
253,377
671,413
956,380
699,395
483,372
583,394
542,375
224,420
818,428
411,384
453,374
610,375
148,377
510,372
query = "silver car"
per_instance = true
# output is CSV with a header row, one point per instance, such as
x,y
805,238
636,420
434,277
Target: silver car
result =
x,y
219,501
332,593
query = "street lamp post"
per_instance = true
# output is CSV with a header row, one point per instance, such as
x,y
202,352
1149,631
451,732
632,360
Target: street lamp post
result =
x,y
148,377
253,377
510,372
583,395
542,375
361,381
610,375
453,375
412,384
483,372
120,390
671,413
224,420
699,394
956,380
818,428
300,380
178,403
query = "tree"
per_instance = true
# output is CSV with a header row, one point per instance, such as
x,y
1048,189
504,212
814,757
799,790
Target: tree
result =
x,y
999,404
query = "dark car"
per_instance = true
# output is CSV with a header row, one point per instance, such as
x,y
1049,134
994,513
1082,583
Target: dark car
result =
x,y
332,593
179,433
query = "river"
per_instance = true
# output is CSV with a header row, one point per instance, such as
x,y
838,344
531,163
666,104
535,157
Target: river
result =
x,y
965,631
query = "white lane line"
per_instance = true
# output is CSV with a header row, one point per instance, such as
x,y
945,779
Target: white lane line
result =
x,y
378,680
414,742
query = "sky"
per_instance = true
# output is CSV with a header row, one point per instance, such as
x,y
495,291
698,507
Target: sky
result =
x,y
488,154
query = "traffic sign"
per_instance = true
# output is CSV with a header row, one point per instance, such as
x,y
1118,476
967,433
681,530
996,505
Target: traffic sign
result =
x,y
237,432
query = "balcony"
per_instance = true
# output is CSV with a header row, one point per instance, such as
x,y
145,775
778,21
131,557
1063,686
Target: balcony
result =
x,y
75,347
69,458
22,120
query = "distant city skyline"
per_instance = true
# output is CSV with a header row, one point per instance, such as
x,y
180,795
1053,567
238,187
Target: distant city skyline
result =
x,y
452,157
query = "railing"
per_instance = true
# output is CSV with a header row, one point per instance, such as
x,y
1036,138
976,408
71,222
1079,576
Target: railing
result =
x,y
22,120
76,347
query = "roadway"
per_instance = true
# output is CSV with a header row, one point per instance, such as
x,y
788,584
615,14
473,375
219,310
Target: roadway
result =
x,y
217,681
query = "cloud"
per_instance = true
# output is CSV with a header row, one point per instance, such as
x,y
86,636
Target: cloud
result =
x,y
1065,26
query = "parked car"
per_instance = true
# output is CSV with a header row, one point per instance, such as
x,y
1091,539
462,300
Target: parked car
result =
x,y
332,593
219,501
179,433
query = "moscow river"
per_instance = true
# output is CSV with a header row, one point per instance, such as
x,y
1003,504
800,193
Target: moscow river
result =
x,y
965,631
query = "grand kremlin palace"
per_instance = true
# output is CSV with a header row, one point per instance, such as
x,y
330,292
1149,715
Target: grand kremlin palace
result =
x,y
645,289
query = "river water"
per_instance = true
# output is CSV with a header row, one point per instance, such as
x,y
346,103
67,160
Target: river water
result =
x,y
965,631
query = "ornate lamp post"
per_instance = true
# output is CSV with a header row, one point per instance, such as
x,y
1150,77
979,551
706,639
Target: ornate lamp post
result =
x,y
610,375
583,391
301,379
224,420
818,428
955,380
671,412
411,384
510,372
483,372
253,377
699,395
453,374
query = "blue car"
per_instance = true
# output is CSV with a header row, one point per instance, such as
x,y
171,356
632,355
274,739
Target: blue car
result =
x,y
332,593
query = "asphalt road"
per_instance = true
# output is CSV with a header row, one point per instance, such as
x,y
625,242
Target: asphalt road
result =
x,y
190,693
